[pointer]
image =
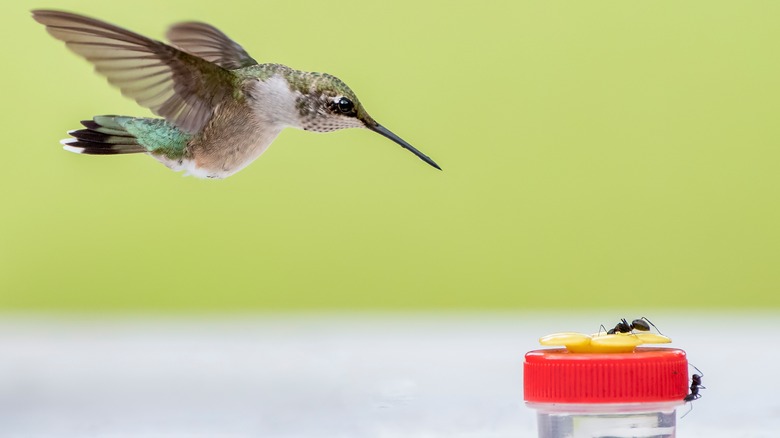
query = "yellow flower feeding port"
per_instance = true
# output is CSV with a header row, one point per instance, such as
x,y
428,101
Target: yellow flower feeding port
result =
x,y
602,342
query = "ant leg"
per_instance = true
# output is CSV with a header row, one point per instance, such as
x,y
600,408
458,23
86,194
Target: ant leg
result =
x,y
689,410
601,327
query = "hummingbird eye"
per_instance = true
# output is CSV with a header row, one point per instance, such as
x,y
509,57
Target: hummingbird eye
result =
x,y
345,105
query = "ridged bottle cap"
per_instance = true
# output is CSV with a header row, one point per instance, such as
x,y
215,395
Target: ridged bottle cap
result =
x,y
645,375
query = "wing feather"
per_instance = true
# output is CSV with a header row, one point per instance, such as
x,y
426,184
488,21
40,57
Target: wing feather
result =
x,y
181,87
209,43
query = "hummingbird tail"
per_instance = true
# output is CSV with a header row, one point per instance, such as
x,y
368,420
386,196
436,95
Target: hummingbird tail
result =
x,y
104,135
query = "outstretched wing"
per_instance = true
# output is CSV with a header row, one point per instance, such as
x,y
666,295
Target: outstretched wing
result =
x,y
209,43
182,88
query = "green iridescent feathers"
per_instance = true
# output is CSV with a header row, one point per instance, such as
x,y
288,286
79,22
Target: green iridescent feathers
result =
x,y
109,135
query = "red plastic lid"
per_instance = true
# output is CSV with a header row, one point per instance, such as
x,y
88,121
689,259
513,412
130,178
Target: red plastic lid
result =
x,y
646,375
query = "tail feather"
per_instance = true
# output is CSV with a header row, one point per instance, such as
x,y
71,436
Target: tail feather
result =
x,y
89,135
94,126
104,135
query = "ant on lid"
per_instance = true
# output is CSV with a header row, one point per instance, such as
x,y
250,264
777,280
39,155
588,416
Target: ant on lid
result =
x,y
641,324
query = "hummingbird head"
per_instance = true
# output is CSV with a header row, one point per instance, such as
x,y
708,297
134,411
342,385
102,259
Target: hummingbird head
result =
x,y
329,105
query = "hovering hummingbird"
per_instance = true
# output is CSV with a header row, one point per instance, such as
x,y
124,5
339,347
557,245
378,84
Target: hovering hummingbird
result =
x,y
220,108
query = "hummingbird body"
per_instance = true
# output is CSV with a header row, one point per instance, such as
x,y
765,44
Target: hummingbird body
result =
x,y
221,109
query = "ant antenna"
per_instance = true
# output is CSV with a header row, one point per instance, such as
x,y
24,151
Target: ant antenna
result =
x,y
698,371
656,328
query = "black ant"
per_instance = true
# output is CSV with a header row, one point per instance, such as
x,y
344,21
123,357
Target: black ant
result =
x,y
642,324
695,387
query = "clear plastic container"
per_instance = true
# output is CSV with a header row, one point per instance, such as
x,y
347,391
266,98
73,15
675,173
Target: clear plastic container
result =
x,y
619,395
611,420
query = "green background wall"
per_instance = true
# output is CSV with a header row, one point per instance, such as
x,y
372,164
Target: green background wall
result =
x,y
594,153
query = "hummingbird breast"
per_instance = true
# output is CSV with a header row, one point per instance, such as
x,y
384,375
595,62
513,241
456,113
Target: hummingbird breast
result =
x,y
241,129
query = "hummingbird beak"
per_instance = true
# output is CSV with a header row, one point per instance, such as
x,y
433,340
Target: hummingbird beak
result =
x,y
376,127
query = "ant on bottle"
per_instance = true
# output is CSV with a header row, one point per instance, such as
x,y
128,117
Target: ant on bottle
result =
x,y
695,387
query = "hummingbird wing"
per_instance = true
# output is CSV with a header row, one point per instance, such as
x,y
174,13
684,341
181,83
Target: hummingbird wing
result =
x,y
182,88
208,42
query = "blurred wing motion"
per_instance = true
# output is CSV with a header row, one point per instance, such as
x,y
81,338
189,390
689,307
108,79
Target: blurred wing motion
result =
x,y
209,43
182,88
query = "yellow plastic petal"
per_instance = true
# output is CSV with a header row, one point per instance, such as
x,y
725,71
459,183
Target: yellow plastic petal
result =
x,y
652,338
617,343
565,339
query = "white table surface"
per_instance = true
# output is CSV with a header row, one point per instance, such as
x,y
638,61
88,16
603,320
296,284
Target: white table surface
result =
x,y
341,375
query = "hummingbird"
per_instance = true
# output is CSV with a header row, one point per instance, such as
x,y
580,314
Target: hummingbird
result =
x,y
220,109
